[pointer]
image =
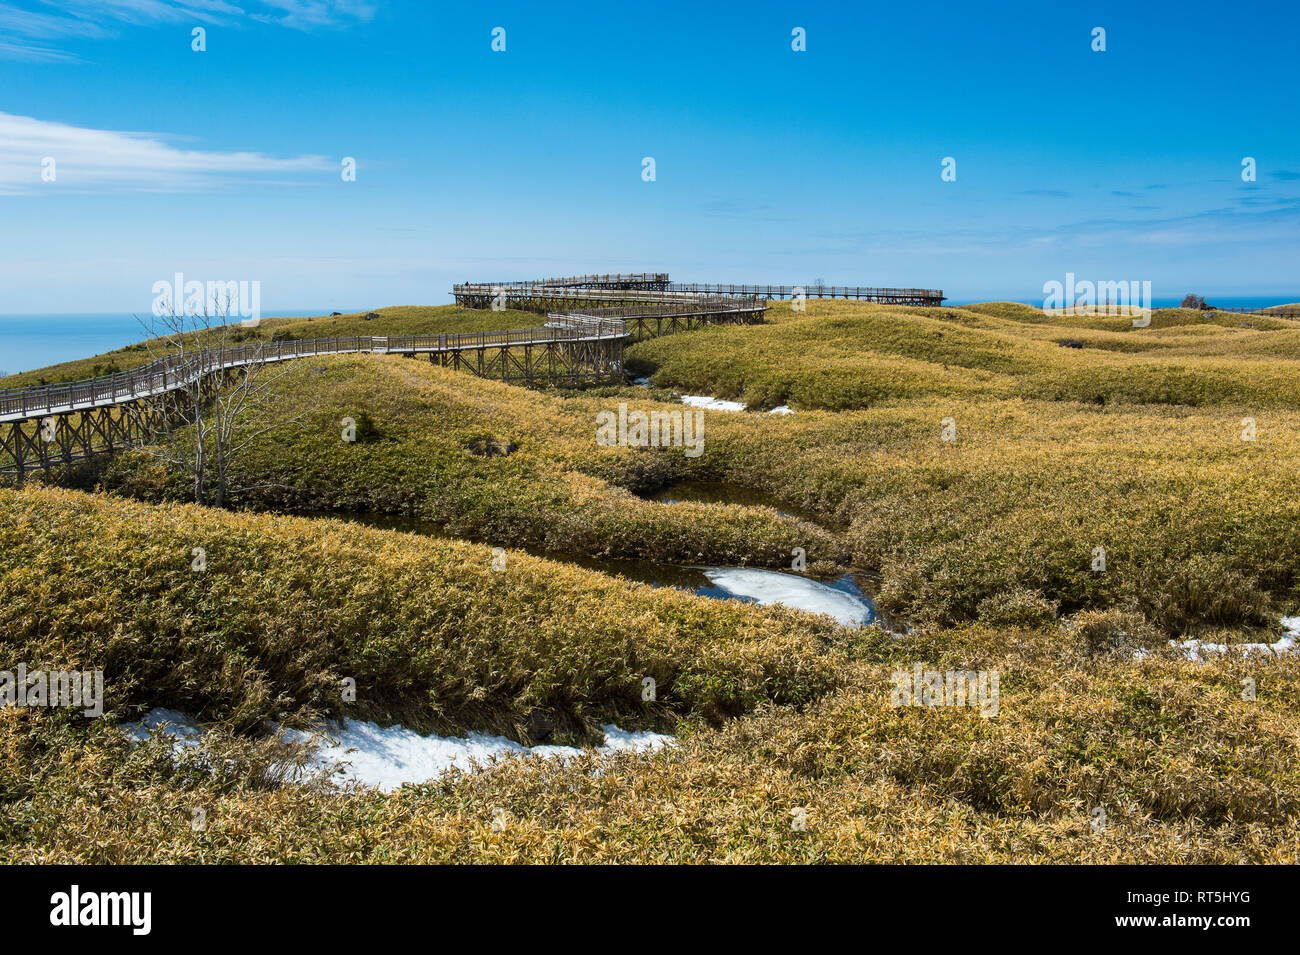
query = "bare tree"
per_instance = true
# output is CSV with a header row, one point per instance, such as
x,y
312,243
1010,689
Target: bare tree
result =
x,y
221,399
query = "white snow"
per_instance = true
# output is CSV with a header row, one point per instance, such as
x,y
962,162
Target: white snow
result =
x,y
643,741
1197,649
712,404
385,757
183,730
770,586
643,382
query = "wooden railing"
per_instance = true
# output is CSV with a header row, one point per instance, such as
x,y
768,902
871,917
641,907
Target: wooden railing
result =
x,y
177,371
575,294
698,305
594,326
1268,311
811,291
654,287
615,280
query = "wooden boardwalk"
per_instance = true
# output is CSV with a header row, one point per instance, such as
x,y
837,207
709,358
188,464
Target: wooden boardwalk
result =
x,y
880,296
60,424
648,319
546,298
1268,311
543,295
589,319
634,280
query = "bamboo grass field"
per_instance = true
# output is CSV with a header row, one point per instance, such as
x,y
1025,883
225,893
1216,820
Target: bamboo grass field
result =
x,y
961,458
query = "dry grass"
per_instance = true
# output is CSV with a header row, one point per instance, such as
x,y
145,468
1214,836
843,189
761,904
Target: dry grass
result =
x,y
432,634
557,491
840,355
1184,770
1132,442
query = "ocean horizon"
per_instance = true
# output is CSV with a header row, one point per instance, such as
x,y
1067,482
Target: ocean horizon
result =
x,y
36,340
32,340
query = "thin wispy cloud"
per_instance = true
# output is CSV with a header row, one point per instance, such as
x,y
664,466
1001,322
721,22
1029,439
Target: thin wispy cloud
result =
x,y
102,160
30,34
1223,227
36,34
740,209
145,12
310,14
33,52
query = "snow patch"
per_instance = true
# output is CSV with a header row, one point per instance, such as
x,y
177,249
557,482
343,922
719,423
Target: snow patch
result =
x,y
772,587
712,404
385,757
709,403
1197,650
1200,651
183,730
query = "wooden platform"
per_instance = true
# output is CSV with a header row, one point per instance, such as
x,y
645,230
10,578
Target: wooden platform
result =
x,y
655,287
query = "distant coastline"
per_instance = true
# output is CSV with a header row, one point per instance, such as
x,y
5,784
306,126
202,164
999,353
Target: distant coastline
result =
x,y
29,341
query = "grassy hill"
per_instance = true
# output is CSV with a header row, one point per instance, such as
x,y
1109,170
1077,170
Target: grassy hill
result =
x,y
776,711
433,635
555,490
1199,526
395,320
841,355
985,544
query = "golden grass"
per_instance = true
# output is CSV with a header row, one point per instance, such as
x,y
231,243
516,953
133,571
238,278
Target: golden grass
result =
x,y
1132,442
432,634
841,355
1200,527
558,491
1184,770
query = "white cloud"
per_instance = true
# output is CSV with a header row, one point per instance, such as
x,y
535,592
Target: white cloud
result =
x,y
102,160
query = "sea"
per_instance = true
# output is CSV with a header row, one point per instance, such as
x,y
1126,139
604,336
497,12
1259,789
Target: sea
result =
x,y
34,341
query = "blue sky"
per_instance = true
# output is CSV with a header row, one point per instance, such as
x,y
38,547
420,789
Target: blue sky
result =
x,y
771,165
